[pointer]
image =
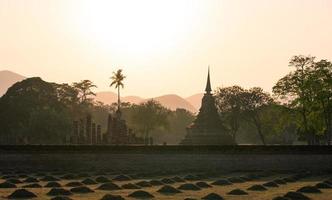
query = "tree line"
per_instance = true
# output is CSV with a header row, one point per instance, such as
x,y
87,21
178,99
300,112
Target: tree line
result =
x,y
298,110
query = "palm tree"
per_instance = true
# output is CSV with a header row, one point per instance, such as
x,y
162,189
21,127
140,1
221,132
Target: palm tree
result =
x,y
117,80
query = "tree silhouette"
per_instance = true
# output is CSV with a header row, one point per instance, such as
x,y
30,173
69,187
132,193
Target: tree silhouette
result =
x,y
117,81
84,90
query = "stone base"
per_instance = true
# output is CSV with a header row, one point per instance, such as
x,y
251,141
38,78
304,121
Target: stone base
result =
x,y
207,140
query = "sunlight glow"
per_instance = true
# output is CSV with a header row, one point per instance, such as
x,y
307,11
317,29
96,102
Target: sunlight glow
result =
x,y
139,28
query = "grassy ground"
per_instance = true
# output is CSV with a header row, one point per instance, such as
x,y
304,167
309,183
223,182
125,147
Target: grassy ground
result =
x,y
311,179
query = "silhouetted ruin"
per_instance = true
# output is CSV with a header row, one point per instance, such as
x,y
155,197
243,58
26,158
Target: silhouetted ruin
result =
x,y
207,128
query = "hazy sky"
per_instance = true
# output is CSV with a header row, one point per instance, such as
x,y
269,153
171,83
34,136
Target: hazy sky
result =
x,y
162,46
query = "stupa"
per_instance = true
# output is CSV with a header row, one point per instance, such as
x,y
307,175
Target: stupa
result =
x,y
207,128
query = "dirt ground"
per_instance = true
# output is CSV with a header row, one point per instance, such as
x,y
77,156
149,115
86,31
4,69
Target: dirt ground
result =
x,y
207,177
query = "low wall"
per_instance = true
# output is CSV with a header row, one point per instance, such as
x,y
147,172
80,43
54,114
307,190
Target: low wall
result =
x,y
174,158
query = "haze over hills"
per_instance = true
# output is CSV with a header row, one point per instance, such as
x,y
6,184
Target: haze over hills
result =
x,y
7,79
171,101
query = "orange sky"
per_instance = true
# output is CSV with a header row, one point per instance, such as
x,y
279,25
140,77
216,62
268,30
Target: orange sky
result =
x,y
162,46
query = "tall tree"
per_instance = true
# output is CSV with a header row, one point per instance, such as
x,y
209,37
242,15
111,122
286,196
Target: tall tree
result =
x,y
229,104
295,87
117,81
84,89
253,101
149,116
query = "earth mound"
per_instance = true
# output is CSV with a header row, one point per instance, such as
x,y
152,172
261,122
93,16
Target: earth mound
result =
x,y
167,181
7,185
309,189
81,190
270,184
144,184
167,189
122,177
257,188
156,182
296,196
49,178
53,184
112,197
30,180
212,196
130,186
237,192
32,185
178,179
109,186
141,194
89,181
188,186
221,182
203,184
236,180
323,185
59,192
102,179
74,184
61,198
21,194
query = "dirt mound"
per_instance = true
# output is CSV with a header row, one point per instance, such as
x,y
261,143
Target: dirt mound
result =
x,y
89,181
191,177
253,176
32,185
61,198
167,189
49,178
74,184
143,184
167,181
83,175
213,196
21,194
281,198
296,196
14,180
270,184
30,180
81,190
122,177
203,184
112,197
7,185
130,186
290,179
236,180
102,179
257,188
237,192
53,184
178,179
309,189
109,186
141,194
280,181
323,185
69,176
188,186
221,182
156,182
59,192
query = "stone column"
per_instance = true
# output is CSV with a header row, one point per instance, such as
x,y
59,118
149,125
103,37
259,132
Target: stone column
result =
x,y
88,129
99,138
94,134
75,134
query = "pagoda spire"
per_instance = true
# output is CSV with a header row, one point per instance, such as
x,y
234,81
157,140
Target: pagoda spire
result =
x,y
208,84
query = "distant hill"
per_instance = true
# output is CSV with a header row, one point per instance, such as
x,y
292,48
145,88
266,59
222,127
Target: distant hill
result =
x,y
7,79
170,101
195,100
111,97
